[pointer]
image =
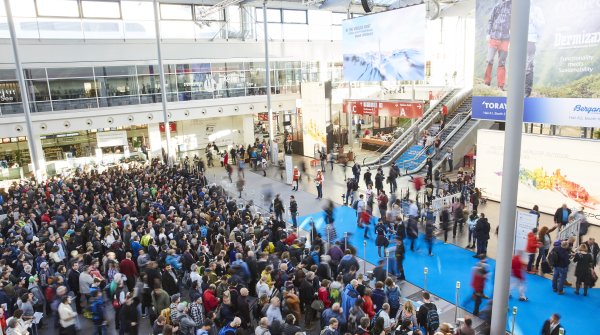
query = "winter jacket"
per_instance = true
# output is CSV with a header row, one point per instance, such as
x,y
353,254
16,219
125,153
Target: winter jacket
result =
x,y
532,243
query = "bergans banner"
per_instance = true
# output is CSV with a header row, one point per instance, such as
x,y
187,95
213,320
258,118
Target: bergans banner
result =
x,y
403,109
562,75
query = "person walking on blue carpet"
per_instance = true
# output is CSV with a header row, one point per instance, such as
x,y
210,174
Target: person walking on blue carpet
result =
x,y
482,235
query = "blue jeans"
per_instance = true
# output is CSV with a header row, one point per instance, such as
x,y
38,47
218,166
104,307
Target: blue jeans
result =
x,y
558,278
320,191
294,222
481,246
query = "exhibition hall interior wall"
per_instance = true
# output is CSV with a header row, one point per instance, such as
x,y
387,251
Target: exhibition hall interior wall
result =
x,y
553,171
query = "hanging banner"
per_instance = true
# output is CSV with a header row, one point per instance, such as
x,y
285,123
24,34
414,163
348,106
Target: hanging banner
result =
x,y
386,46
111,138
403,109
563,63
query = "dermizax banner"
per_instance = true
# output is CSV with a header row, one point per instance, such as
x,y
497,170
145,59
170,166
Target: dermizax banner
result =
x,y
562,75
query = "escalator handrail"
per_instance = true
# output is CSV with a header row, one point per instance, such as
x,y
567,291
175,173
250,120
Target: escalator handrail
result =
x,y
409,131
466,116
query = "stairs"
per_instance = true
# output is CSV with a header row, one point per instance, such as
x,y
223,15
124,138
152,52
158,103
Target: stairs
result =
x,y
461,118
411,158
406,139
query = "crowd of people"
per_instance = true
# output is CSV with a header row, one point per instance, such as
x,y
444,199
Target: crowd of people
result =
x,y
149,246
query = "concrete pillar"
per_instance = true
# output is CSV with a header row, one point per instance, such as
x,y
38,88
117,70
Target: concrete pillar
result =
x,y
247,130
155,141
36,142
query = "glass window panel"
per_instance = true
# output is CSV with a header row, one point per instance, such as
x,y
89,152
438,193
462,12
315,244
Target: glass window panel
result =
x,y
76,88
214,16
319,17
295,31
71,72
273,15
147,69
8,74
60,8
170,68
117,86
137,10
114,70
218,67
35,73
255,65
175,12
237,66
9,92
337,18
194,82
20,8
201,68
38,89
294,16
101,9
150,84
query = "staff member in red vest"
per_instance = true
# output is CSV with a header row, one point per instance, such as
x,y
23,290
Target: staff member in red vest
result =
x,y
295,179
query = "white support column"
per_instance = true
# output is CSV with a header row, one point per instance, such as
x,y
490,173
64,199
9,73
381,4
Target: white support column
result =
x,y
33,151
155,141
41,160
268,79
163,87
247,130
517,56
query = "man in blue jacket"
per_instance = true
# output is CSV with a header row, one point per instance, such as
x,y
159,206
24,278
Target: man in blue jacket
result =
x,y
349,297
560,260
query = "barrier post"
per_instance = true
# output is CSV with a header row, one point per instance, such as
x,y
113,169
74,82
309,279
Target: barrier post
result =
x,y
425,271
345,241
387,263
364,257
514,319
456,302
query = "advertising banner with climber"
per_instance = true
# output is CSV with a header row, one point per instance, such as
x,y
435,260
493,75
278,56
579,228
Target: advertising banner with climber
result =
x,y
562,74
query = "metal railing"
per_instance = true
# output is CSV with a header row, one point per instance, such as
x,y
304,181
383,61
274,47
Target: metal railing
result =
x,y
407,136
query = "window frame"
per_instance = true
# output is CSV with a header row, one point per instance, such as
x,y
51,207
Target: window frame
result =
x,y
268,9
80,11
283,11
190,6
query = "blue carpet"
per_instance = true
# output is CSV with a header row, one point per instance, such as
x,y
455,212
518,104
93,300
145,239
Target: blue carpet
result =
x,y
451,263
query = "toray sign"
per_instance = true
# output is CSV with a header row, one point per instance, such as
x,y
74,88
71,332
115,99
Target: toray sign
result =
x,y
403,109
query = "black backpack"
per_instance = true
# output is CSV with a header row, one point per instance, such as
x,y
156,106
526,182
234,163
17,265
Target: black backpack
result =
x,y
432,318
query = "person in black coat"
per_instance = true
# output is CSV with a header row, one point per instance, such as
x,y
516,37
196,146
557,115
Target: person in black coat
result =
x,y
561,216
552,326
307,295
593,250
482,235
73,281
129,316
583,269
169,281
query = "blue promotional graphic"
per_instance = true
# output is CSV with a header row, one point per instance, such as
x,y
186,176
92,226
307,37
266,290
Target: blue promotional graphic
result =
x,y
562,73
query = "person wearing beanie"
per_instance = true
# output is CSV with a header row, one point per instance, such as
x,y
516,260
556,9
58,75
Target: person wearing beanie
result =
x,y
186,323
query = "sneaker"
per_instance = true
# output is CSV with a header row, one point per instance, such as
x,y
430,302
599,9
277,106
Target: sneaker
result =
x,y
561,292
523,299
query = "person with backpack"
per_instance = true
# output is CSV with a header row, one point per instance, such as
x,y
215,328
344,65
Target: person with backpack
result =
x,y
355,314
231,328
392,294
427,316
97,309
349,196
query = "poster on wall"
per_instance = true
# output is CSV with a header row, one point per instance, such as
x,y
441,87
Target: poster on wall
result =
x,y
386,46
314,107
525,224
562,73
553,171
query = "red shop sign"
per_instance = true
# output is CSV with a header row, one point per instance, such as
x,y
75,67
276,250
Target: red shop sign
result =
x,y
404,109
172,126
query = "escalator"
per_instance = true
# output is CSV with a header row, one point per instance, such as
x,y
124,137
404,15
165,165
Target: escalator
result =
x,y
459,126
406,143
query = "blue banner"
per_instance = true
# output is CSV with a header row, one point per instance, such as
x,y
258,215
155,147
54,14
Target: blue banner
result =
x,y
562,72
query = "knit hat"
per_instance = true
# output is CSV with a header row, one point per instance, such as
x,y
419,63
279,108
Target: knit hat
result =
x,y
175,297
181,306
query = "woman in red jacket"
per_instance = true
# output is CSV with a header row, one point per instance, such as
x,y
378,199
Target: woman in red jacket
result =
x,y
532,246
368,305
210,300
323,293
295,178
518,276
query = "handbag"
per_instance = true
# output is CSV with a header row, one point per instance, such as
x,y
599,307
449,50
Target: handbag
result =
x,y
318,305
116,304
593,277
